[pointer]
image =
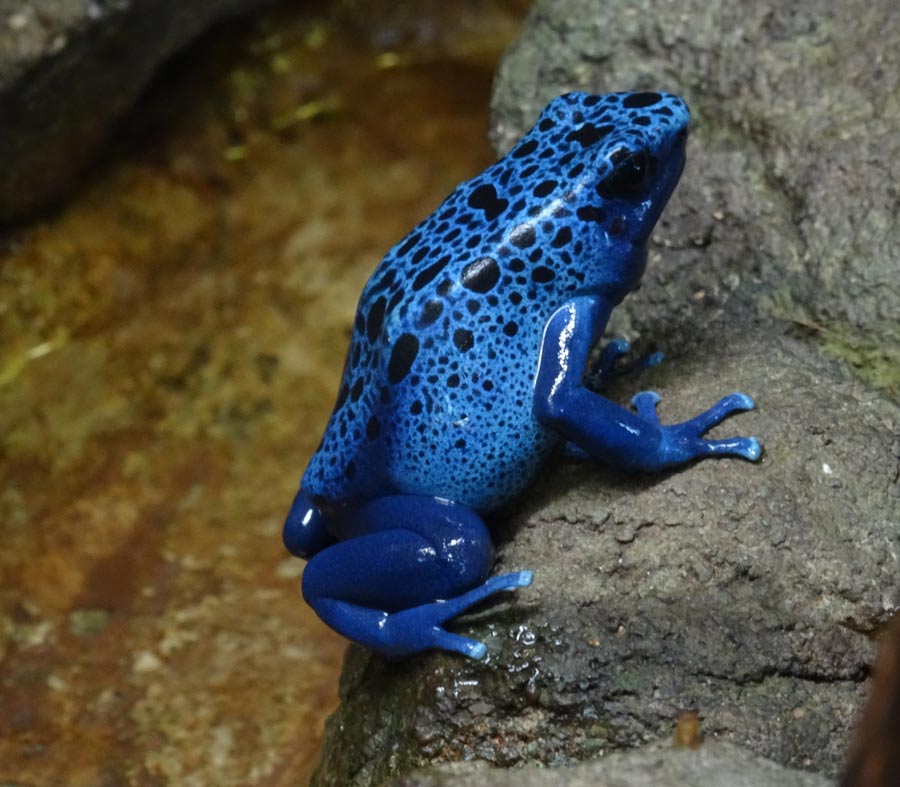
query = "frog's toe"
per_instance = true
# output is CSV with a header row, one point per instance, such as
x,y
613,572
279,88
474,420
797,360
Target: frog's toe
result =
x,y
745,447
739,402
522,579
444,640
611,352
752,449
733,403
749,448
653,359
470,647
511,581
615,348
683,442
440,612
421,627
474,650
645,403
498,584
609,365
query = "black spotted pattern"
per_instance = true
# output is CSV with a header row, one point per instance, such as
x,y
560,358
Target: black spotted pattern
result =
x,y
589,134
641,100
481,275
403,355
436,394
428,275
523,236
431,312
485,198
463,339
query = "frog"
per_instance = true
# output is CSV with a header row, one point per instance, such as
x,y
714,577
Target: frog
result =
x,y
466,372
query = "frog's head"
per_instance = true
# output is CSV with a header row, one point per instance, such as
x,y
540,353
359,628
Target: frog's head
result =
x,y
631,150
617,158
638,165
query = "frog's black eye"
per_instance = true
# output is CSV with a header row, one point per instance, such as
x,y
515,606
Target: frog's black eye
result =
x,y
629,179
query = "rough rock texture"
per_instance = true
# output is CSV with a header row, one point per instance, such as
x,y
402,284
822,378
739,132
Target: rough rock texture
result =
x,y
69,69
751,593
714,764
747,592
790,197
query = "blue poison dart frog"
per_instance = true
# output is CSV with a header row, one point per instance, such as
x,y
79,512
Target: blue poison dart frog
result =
x,y
465,372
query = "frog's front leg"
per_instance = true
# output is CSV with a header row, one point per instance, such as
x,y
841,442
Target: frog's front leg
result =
x,y
603,429
404,566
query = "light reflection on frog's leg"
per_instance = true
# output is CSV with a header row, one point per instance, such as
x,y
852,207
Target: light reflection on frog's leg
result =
x,y
405,566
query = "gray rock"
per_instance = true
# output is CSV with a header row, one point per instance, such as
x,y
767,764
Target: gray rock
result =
x,y
750,593
790,197
69,69
714,764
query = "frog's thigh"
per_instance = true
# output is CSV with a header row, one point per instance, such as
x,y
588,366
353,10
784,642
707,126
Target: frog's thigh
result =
x,y
399,552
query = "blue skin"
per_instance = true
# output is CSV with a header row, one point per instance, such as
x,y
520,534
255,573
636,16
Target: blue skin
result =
x,y
465,372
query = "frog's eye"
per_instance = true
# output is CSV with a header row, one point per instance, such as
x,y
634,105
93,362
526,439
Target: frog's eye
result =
x,y
629,179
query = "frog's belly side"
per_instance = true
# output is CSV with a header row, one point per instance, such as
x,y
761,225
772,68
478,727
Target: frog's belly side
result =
x,y
444,409
479,457
480,449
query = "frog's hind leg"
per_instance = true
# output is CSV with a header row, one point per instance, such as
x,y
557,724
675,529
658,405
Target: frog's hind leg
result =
x,y
404,567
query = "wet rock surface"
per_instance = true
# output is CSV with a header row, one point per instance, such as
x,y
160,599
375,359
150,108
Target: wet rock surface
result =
x,y
714,764
752,593
69,71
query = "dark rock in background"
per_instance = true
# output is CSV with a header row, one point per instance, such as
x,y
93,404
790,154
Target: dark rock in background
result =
x,y
754,594
874,757
69,71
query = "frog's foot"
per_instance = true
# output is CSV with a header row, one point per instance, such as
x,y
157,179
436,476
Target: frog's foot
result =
x,y
683,442
420,628
406,565
602,429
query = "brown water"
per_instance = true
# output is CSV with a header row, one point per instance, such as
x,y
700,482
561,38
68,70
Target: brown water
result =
x,y
170,345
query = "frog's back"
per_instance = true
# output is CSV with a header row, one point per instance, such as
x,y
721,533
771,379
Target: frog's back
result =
x,y
436,393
